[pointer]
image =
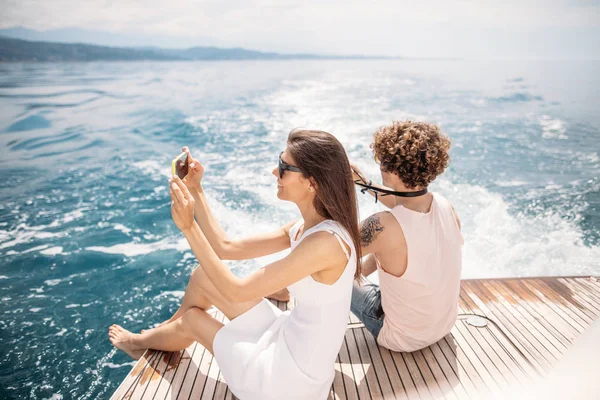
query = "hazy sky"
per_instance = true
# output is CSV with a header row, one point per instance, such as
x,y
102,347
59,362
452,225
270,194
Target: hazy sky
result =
x,y
496,29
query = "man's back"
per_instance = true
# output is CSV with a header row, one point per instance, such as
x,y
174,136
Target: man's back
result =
x,y
419,263
392,249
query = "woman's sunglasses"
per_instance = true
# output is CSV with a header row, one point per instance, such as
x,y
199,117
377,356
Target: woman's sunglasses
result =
x,y
283,166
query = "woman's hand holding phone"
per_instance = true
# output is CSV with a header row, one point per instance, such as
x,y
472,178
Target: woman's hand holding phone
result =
x,y
195,171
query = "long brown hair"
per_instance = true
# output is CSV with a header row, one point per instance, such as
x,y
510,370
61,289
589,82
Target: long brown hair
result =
x,y
322,158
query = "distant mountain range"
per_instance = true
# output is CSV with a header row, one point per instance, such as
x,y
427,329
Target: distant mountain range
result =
x,y
20,44
102,38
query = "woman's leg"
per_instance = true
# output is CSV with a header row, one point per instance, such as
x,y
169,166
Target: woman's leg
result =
x,y
201,293
203,284
195,325
193,297
202,290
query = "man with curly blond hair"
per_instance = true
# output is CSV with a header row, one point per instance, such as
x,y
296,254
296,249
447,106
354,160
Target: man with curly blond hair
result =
x,y
415,246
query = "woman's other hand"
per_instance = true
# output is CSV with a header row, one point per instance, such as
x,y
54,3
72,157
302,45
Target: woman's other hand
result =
x,y
195,171
182,204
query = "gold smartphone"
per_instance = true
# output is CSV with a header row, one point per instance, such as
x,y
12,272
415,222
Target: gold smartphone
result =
x,y
179,166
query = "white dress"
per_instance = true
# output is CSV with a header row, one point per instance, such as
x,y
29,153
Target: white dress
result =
x,y
267,353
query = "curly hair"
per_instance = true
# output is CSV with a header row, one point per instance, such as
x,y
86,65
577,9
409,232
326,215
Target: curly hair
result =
x,y
415,151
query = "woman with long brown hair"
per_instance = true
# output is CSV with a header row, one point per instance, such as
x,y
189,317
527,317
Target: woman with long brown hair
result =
x,y
265,353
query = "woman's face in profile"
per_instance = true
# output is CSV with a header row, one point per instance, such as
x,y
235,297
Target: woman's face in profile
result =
x,y
292,186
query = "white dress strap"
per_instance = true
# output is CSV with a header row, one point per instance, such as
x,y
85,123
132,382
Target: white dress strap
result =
x,y
294,229
337,236
334,230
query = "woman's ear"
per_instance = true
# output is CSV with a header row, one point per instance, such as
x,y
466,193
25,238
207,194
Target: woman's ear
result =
x,y
313,185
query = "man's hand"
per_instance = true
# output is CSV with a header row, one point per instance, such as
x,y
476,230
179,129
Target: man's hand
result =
x,y
357,174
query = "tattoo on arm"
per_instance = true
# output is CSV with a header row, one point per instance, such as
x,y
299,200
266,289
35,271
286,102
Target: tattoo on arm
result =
x,y
369,230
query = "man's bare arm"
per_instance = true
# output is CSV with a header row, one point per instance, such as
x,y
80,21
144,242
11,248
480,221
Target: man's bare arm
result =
x,y
372,230
357,175
369,265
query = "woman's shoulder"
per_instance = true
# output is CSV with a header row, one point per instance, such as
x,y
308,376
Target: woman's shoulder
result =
x,y
322,230
325,228
320,244
330,226
335,228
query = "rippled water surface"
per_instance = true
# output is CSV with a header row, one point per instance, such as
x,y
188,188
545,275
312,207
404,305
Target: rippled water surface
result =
x,y
86,238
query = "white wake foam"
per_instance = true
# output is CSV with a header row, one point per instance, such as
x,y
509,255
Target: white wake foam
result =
x,y
132,249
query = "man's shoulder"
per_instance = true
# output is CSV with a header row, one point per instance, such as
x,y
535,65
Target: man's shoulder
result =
x,y
379,227
380,219
441,200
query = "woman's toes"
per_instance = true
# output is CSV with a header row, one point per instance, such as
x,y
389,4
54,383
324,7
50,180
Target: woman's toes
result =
x,y
123,340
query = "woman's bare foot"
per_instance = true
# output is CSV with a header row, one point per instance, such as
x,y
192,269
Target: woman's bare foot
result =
x,y
282,295
122,339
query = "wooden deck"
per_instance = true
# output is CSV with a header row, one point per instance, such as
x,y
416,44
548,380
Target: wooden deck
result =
x,y
530,324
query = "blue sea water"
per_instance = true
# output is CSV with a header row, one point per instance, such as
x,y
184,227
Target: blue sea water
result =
x,y
86,238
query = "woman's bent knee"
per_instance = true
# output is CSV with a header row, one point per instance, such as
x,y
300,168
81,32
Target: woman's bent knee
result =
x,y
198,276
191,315
198,325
